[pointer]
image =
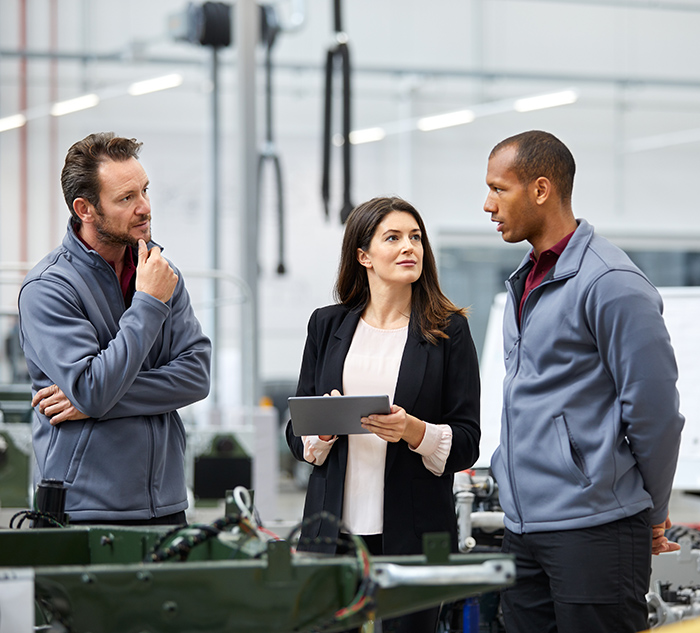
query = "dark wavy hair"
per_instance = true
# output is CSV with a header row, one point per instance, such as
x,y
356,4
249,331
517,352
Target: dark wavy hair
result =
x,y
541,154
430,308
79,177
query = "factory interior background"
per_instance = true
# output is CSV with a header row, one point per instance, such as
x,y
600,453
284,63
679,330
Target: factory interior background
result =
x,y
618,81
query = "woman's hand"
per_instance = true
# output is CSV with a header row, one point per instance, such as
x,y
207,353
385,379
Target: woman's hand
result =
x,y
395,426
54,404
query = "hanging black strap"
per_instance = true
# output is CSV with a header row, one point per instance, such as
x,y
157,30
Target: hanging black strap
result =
x,y
347,205
338,56
327,131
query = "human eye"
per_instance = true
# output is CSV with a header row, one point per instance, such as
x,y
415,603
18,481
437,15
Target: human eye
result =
x,y
391,238
417,237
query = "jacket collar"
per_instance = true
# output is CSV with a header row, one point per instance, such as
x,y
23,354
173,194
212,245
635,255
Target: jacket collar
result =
x,y
569,261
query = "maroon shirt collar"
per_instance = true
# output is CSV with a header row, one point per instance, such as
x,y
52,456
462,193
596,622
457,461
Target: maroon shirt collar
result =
x,y
556,250
542,265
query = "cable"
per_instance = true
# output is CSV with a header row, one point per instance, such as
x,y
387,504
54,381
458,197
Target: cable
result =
x,y
183,539
339,55
192,535
34,515
364,598
241,496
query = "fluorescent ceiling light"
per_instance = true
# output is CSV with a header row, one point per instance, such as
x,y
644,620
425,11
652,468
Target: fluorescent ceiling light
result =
x,y
551,100
368,135
153,85
12,122
74,105
439,121
670,139
461,117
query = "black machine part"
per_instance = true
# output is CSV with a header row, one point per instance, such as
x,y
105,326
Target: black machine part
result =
x,y
50,503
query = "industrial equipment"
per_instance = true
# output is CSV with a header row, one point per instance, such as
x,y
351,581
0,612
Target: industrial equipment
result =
x,y
674,593
674,590
232,575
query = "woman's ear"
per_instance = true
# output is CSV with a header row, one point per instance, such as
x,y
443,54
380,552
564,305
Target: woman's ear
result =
x,y
363,258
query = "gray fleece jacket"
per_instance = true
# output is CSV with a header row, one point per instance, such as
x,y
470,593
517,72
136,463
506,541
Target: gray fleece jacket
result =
x,y
129,369
590,429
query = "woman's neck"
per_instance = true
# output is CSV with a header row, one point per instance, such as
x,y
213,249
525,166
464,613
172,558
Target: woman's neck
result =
x,y
388,310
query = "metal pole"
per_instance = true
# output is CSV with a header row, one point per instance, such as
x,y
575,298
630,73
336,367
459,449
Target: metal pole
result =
x,y
214,225
246,28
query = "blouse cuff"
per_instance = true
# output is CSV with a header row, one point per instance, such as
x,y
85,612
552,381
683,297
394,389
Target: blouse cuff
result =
x,y
315,449
435,447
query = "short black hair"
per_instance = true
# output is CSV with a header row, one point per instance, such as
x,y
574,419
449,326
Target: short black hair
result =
x,y
541,154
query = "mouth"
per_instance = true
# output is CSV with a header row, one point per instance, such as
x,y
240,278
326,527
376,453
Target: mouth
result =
x,y
406,262
499,224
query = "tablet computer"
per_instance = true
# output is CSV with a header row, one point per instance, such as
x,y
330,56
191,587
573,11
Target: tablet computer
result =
x,y
334,415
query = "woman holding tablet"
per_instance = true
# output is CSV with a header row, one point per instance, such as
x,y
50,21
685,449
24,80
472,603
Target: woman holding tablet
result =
x,y
392,332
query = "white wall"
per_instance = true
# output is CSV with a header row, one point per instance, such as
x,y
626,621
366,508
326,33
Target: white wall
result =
x,y
635,69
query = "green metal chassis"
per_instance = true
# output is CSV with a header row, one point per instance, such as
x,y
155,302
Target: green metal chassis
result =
x,y
94,580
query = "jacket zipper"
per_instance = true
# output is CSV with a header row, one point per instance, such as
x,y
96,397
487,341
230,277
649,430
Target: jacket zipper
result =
x,y
519,322
506,396
148,422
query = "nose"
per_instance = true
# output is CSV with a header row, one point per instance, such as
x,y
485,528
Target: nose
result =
x,y
490,204
407,245
144,205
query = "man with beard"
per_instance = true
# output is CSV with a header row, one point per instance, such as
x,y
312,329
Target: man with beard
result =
x,y
113,348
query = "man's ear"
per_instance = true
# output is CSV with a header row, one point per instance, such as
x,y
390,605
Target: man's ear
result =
x,y
83,209
543,189
363,258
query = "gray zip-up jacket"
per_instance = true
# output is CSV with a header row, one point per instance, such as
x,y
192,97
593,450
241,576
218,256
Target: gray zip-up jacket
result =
x,y
129,369
590,429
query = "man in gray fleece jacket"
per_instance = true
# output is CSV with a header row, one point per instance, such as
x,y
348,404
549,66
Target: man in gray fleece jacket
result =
x,y
590,429
113,348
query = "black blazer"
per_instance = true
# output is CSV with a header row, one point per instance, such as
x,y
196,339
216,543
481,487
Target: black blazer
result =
x,y
436,383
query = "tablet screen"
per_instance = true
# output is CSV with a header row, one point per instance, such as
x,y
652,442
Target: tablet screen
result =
x,y
334,415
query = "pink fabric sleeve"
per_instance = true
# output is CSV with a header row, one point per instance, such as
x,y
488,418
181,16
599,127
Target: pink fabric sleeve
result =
x,y
435,447
316,450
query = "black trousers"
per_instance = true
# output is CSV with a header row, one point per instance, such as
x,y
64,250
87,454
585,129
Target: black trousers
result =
x,y
592,580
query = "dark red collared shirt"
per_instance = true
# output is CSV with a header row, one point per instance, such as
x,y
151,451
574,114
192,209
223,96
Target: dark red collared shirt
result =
x,y
543,264
128,274
128,271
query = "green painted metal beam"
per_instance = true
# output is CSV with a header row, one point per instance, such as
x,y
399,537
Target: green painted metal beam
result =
x,y
96,580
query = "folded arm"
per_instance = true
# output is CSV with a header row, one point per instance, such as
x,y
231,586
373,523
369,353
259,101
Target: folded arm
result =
x,y
125,376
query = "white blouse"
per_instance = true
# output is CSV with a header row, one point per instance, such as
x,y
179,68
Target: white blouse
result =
x,y
371,368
